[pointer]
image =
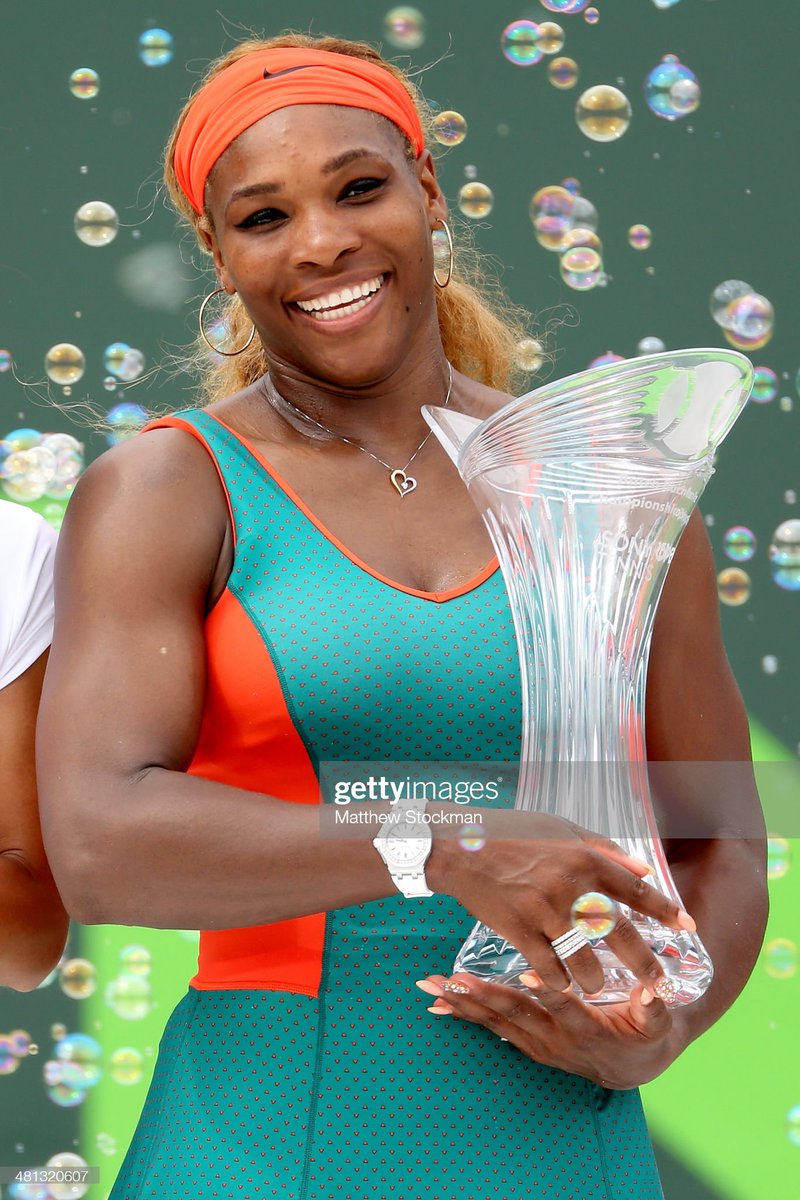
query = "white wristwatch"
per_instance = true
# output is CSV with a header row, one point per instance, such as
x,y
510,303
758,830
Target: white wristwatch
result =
x,y
404,843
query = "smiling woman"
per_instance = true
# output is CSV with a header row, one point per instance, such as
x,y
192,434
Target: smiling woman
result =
x,y
247,597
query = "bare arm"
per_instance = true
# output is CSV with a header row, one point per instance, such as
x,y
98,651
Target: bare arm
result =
x,y
132,838
709,811
33,925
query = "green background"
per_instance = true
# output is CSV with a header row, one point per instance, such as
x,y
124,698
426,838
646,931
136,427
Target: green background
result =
x,y
718,190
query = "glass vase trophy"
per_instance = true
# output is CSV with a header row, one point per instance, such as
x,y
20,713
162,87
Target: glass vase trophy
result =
x,y
585,486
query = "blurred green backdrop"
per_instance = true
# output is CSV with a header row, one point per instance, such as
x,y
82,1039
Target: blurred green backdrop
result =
x,y
718,190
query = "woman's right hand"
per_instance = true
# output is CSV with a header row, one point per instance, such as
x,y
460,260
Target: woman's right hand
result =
x,y
523,881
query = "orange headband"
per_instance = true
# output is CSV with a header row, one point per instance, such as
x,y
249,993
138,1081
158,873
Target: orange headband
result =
x,y
262,82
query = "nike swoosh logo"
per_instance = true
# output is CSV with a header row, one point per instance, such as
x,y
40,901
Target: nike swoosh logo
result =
x,y
287,71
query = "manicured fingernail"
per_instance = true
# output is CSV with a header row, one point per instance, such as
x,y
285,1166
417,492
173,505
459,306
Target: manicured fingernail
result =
x,y
647,997
685,921
442,1010
646,868
592,995
568,988
531,980
460,989
433,989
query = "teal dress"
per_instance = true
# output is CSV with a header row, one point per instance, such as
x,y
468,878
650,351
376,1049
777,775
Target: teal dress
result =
x,y
329,1080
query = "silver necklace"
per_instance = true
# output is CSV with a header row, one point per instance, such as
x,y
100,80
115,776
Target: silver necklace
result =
x,y
402,482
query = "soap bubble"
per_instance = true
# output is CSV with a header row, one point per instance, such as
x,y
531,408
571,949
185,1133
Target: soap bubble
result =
x,y
130,366
135,960
78,978
573,186
9,1059
64,363
405,27
84,83
563,72
126,1066
671,89
5,360
748,344
129,996
603,113
124,420
475,200
793,1125
554,212
733,586
581,268
591,16
779,857
780,958
155,47
739,543
784,555
664,3
564,6
769,664
722,297
20,1041
605,360
519,42
595,915
67,1161
67,452
551,37
529,354
765,385
750,316
640,237
21,439
449,128
650,345
26,474
579,235
96,223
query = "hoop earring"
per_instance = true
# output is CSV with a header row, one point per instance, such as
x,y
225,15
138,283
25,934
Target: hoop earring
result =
x,y
211,346
436,280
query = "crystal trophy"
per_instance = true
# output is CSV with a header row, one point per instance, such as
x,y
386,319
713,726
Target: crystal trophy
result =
x,y
585,486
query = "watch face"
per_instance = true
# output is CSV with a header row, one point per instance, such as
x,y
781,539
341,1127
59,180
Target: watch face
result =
x,y
407,851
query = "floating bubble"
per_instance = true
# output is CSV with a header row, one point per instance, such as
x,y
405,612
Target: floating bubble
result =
x,y
591,16
26,474
67,1161
114,355
68,454
572,185
605,360
739,543
135,960
603,113
733,586
671,89
780,958
564,6
529,354
58,1031
765,385
78,978
106,1143
750,316
61,1085
595,914
449,128
784,555
156,47
84,1050
786,404
96,223
779,856
131,366
723,295
9,1060
127,1066
664,3
650,345
475,200
64,363
551,37
580,235
21,439
129,996
405,27
747,344
5,360
124,421
581,268
84,83
563,72
552,213
793,1125
640,237
519,42
20,1041
769,664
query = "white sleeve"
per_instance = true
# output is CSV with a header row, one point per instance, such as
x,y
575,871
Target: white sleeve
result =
x,y
27,552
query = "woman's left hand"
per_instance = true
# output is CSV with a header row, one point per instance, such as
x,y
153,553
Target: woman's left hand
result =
x,y
618,1046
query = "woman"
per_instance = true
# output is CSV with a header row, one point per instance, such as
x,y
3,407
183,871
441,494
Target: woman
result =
x,y
34,923
252,591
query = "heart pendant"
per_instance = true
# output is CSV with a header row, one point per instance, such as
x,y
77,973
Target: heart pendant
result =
x,y
404,483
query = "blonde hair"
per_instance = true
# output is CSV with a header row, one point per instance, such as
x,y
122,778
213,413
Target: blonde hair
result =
x,y
479,326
